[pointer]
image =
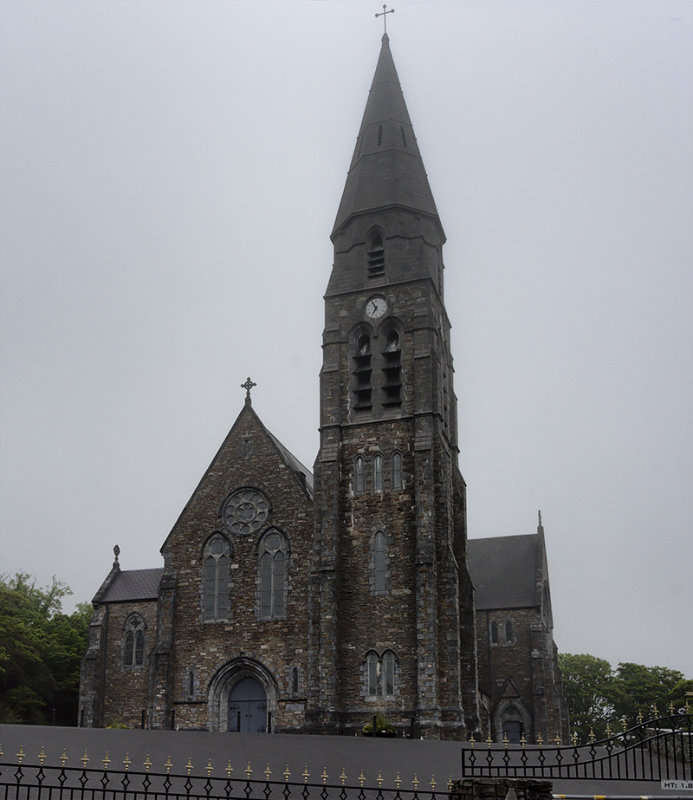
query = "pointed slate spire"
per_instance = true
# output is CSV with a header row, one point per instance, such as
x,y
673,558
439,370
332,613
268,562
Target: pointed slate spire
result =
x,y
386,169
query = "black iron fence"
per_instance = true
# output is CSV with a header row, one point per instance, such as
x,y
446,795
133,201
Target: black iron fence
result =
x,y
22,781
656,750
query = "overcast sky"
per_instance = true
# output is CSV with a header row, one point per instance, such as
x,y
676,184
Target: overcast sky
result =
x,y
170,175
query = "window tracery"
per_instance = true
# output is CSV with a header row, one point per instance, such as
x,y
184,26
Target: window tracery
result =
x,y
273,555
216,580
133,642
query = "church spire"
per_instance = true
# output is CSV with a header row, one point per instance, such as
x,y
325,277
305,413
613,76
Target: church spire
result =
x,y
386,169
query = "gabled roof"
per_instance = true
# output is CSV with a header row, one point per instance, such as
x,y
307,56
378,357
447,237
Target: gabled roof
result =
x,y
504,570
133,584
386,169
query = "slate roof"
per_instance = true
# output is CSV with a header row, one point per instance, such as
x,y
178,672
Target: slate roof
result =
x,y
134,584
386,168
293,462
504,570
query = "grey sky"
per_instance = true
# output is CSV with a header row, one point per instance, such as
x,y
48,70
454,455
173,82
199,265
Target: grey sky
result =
x,y
170,176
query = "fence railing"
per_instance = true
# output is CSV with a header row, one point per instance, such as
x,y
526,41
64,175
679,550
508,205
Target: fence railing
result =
x,y
23,781
656,750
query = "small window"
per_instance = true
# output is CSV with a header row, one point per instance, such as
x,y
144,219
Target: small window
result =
x,y
509,633
358,475
388,677
133,644
380,563
397,482
216,578
294,682
190,684
376,255
373,670
273,555
377,473
494,632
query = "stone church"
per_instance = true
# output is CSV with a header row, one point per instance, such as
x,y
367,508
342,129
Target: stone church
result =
x,y
298,602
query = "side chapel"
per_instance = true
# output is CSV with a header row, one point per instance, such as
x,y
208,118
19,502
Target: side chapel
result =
x,y
298,602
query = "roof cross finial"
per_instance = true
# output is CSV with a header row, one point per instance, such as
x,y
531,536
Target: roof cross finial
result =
x,y
384,14
248,385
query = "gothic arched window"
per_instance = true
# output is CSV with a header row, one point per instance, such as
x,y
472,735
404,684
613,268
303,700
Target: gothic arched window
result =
x,y
494,632
380,674
377,473
273,554
392,369
362,388
359,482
133,642
509,633
397,481
380,563
216,580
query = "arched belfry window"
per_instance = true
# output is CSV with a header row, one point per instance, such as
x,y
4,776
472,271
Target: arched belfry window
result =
x,y
376,254
216,578
392,369
362,373
380,563
273,554
133,642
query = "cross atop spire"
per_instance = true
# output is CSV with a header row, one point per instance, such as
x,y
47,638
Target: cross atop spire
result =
x,y
384,14
248,385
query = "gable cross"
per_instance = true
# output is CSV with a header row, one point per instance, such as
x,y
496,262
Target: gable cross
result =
x,y
384,14
248,385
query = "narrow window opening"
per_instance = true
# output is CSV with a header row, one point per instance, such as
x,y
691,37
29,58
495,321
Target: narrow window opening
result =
x,y
397,471
392,369
358,475
494,632
509,635
380,563
377,473
191,684
294,681
362,372
376,256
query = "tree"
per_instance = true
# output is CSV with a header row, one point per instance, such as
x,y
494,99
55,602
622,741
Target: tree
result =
x,y
40,652
596,695
587,689
639,690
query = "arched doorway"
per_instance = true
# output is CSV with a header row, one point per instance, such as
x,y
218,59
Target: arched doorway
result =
x,y
247,707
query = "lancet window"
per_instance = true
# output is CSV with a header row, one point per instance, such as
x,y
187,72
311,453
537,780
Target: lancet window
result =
x,y
216,578
380,674
273,556
133,642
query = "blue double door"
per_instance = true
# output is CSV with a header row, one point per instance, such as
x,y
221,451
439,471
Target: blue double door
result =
x,y
247,707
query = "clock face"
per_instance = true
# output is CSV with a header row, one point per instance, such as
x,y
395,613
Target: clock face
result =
x,y
376,307
245,512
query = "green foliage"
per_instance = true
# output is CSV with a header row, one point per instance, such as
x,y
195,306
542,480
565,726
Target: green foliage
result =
x,y
597,695
587,690
40,652
382,728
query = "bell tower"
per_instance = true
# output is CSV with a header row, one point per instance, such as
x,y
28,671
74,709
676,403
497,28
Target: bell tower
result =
x,y
392,624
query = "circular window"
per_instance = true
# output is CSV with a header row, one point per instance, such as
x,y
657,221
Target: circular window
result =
x,y
245,512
